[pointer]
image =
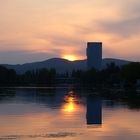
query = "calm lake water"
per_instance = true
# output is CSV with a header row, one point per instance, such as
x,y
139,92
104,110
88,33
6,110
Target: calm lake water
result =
x,y
64,114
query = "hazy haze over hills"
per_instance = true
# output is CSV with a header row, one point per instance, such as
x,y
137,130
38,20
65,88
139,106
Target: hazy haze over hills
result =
x,y
61,65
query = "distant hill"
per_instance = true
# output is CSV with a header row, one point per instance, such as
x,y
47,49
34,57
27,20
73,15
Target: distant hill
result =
x,y
118,62
61,65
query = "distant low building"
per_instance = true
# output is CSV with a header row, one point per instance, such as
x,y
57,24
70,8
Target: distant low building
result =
x,y
94,55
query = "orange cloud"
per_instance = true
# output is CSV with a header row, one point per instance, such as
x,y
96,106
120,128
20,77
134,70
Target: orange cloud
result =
x,y
64,27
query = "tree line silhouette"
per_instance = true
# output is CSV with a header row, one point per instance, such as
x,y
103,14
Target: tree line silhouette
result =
x,y
41,77
126,75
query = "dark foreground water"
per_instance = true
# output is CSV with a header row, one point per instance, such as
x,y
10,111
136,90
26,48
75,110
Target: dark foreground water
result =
x,y
64,114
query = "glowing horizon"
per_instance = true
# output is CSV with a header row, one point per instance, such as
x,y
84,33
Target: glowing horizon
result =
x,y
70,57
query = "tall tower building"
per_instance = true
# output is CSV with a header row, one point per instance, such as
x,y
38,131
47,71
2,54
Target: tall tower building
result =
x,y
94,55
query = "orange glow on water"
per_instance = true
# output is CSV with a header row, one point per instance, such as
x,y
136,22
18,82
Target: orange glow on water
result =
x,y
71,103
69,107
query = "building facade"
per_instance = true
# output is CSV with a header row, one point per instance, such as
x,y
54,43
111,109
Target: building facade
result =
x,y
94,55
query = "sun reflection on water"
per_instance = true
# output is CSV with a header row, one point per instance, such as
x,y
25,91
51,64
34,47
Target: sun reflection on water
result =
x,y
71,103
69,107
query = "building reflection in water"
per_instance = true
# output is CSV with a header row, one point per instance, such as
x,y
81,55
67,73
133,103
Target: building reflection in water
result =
x,y
94,111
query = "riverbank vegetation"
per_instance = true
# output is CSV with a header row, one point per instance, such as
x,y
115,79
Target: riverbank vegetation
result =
x,y
126,76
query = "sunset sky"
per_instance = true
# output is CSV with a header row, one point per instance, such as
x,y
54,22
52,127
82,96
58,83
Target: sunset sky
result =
x,y
35,30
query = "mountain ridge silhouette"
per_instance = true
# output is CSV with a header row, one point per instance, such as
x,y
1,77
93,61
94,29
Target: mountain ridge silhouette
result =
x,y
61,65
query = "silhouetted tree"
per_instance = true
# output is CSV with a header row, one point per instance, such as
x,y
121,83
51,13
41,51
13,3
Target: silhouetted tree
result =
x,y
130,73
7,76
